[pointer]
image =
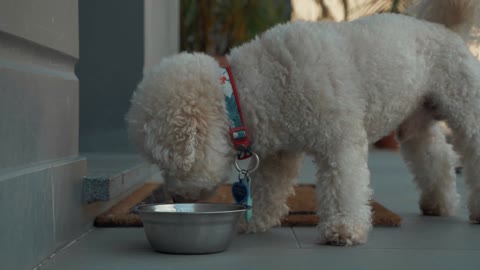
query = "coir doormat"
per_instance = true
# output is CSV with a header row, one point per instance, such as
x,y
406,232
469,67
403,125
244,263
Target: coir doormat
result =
x,y
302,207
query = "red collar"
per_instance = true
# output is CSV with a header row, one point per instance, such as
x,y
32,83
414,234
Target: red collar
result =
x,y
238,131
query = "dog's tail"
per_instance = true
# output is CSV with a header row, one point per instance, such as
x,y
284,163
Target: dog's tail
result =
x,y
458,15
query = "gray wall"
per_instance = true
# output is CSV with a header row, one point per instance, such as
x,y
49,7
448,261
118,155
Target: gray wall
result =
x,y
40,171
110,66
118,41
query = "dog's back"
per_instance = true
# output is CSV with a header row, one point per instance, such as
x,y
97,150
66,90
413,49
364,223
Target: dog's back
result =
x,y
379,67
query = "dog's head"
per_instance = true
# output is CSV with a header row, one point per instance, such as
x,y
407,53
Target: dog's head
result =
x,y
178,121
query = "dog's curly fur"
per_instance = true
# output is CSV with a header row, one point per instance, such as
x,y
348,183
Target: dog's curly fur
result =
x,y
328,90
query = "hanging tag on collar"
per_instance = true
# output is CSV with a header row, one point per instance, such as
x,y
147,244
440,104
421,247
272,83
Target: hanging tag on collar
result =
x,y
241,189
241,193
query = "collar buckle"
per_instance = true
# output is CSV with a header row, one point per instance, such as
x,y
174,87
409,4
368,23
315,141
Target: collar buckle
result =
x,y
241,142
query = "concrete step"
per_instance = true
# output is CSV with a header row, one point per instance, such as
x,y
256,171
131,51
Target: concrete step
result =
x,y
111,174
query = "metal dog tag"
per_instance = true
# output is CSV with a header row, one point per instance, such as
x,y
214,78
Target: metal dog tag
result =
x,y
240,192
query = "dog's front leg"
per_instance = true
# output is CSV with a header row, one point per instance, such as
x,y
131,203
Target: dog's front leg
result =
x,y
271,185
343,192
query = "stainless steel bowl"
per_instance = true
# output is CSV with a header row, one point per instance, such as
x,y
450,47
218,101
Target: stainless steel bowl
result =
x,y
190,228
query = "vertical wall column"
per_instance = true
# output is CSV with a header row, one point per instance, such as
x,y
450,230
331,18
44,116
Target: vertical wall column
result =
x,y
39,164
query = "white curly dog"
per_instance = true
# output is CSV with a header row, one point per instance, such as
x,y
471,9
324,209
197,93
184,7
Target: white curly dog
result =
x,y
328,90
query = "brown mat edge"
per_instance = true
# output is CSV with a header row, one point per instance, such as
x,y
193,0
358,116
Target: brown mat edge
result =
x,y
119,216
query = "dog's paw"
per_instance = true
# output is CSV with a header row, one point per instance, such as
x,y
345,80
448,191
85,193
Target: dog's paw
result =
x,y
473,203
435,210
474,207
343,235
475,219
439,204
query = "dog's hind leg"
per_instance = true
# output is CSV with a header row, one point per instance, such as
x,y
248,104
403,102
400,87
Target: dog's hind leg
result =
x,y
271,186
343,190
460,106
431,160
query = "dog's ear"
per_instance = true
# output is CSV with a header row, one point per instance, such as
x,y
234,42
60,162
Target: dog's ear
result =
x,y
180,140
188,138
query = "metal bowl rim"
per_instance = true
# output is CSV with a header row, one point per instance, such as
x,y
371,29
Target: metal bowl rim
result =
x,y
139,210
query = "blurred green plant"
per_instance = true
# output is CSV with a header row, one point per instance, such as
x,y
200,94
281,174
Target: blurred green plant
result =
x,y
215,26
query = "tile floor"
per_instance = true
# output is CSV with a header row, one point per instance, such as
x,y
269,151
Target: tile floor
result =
x,y
420,243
